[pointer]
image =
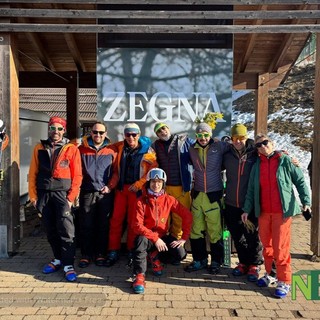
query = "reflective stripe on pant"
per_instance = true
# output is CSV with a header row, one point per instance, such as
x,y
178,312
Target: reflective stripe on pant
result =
x,y
124,208
206,218
185,199
275,235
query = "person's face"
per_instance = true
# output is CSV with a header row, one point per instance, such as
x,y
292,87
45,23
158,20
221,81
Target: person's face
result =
x,y
98,133
56,132
239,142
264,146
132,139
203,138
164,133
156,185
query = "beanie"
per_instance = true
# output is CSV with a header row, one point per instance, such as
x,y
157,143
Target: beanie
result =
x,y
131,127
159,126
204,127
59,120
239,130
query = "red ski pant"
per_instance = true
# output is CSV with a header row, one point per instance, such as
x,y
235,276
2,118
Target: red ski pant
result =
x,y
275,235
124,208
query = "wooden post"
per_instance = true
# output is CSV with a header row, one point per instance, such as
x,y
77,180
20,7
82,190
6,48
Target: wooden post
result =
x,y
262,93
73,126
315,222
9,113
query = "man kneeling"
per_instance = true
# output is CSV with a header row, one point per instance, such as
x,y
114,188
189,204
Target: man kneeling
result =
x,y
153,242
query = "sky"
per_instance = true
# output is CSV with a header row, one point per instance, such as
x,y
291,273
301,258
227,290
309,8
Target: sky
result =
x,y
282,142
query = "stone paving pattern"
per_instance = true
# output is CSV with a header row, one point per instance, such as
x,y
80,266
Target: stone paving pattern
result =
x,y
105,293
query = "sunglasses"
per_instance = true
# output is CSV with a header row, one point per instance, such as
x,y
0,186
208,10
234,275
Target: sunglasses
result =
x,y
53,128
131,134
264,142
98,132
202,135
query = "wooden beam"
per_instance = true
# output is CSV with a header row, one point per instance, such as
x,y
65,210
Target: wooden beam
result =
x,y
39,49
55,79
261,116
279,56
260,13
315,225
73,124
169,2
9,112
71,43
249,45
136,28
249,81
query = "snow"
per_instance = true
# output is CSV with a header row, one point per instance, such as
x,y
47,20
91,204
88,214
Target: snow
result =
x,y
282,142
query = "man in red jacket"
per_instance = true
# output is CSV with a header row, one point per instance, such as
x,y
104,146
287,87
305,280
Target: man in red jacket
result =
x,y
54,183
151,226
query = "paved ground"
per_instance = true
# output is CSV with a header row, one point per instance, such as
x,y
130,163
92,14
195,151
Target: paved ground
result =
x,y
105,293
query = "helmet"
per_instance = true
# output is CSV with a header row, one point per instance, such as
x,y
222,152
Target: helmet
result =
x,y
156,173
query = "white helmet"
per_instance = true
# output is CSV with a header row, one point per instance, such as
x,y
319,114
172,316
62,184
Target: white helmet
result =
x,y
156,173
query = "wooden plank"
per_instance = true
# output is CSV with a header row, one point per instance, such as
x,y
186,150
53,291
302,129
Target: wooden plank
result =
x,y
200,29
55,79
168,2
315,225
249,81
72,105
9,112
158,14
261,115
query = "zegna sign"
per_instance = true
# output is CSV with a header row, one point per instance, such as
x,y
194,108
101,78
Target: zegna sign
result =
x,y
161,106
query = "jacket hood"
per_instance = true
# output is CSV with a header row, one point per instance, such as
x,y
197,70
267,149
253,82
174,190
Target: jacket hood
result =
x,y
145,143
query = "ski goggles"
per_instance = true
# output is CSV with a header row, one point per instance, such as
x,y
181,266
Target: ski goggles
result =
x,y
156,174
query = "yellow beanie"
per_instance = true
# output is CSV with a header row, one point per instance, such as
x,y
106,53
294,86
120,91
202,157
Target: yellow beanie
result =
x,y
239,130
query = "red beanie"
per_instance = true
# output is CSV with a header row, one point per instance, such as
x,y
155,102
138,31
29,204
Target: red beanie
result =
x,y
62,121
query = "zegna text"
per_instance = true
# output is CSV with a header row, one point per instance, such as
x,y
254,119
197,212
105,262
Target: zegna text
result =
x,y
175,105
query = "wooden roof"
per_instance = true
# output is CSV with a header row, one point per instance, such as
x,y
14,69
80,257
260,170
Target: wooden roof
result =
x,y
61,36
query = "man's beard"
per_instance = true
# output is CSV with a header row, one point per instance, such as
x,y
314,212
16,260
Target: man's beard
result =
x,y
166,138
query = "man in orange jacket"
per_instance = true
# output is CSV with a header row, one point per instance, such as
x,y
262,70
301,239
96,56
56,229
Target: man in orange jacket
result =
x,y
54,182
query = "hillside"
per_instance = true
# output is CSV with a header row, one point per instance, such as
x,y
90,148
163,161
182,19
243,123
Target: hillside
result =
x,y
295,96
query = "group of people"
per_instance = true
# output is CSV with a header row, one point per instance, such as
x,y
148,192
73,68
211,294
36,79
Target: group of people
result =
x,y
166,192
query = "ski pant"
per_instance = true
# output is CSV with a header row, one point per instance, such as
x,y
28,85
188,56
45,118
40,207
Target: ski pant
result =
x,y
94,217
247,243
275,235
124,210
143,246
185,199
58,221
206,220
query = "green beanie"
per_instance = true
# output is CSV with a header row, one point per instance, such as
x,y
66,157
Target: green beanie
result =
x,y
159,126
239,130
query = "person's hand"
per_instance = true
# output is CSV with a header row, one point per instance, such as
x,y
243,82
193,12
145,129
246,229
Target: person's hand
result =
x,y
34,203
177,243
105,190
244,217
295,161
70,203
161,245
305,208
133,188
